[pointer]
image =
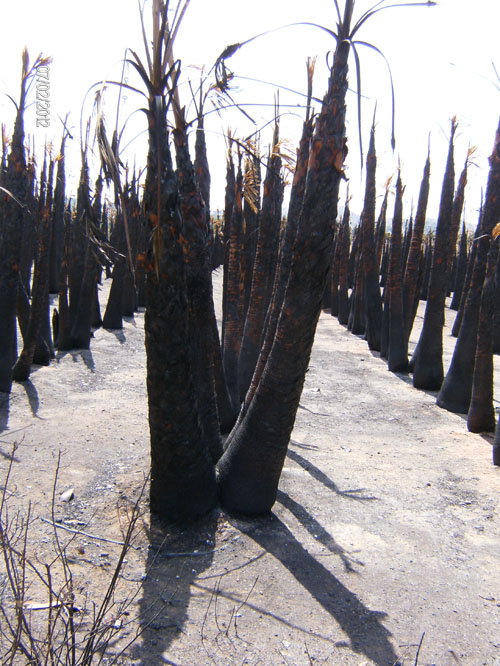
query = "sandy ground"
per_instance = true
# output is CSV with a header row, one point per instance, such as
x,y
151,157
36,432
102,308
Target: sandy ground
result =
x,y
386,528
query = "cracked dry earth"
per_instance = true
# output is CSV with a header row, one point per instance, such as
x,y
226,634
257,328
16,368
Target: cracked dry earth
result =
x,y
386,528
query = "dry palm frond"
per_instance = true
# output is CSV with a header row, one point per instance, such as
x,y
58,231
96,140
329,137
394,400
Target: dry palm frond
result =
x,y
251,183
496,231
286,151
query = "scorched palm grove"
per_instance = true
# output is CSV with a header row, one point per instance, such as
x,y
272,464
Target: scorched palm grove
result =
x,y
222,406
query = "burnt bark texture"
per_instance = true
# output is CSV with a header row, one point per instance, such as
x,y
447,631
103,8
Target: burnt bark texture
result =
x,y
199,293
461,269
412,271
455,394
481,414
284,265
182,472
249,470
12,213
427,360
234,296
57,236
264,269
343,313
40,292
397,349
372,298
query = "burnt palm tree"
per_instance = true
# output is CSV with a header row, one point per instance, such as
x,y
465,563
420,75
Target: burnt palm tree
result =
x,y
182,472
264,269
412,270
344,241
249,470
397,342
372,298
427,361
455,393
13,210
481,414
40,293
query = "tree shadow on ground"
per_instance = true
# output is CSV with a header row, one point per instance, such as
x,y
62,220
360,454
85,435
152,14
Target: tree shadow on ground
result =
x,y
84,354
119,334
317,531
176,556
32,394
363,627
320,476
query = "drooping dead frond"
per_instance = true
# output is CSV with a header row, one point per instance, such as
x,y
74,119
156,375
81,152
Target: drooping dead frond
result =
x,y
286,151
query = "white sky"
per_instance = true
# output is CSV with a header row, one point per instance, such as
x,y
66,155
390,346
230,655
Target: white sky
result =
x,y
440,59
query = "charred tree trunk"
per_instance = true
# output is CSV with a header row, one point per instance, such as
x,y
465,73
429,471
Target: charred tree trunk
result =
x,y
397,350
233,325
249,470
372,299
182,473
229,202
460,270
284,267
266,259
199,293
63,336
411,276
427,362
12,213
57,238
481,415
40,299
456,391
343,315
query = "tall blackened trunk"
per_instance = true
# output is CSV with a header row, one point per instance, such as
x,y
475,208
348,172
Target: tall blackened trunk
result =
x,y
225,410
249,470
397,350
284,266
199,292
460,270
343,314
62,334
468,277
182,473
481,415
12,213
356,321
233,319
57,237
266,259
79,241
229,200
40,292
427,362
412,271
372,298
456,391
84,286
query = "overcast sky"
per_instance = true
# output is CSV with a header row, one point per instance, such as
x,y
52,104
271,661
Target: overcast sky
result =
x,y
441,61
